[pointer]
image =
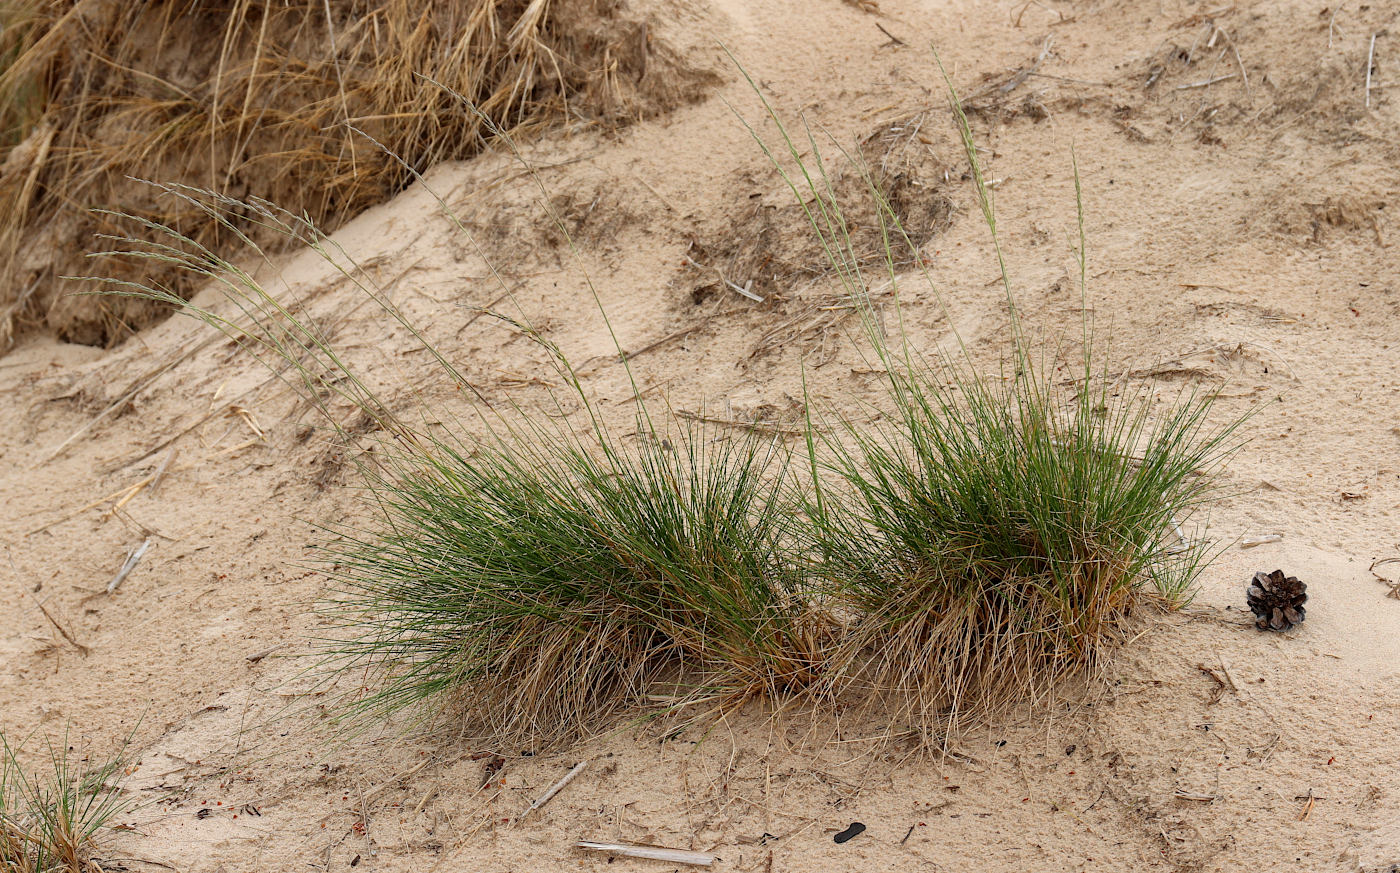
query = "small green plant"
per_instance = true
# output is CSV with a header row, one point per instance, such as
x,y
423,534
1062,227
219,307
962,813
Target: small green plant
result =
x,y
49,822
997,530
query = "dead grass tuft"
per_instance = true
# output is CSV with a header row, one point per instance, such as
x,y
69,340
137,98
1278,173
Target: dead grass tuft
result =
x,y
262,99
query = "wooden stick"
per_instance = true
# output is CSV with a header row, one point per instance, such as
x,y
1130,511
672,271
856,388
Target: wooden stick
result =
x,y
164,465
130,564
259,655
894,40
1370,61
745,291
1207,82
664,201
657,853
555,788
655,344
433,789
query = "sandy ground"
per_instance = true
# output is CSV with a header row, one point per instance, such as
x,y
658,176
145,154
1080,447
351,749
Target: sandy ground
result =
x,y
1241,239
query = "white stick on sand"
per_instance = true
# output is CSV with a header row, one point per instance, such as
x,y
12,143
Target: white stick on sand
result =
x,y
657,853
1370,62
128,566
556,788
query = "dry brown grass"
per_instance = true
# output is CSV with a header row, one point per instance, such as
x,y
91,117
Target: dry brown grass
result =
x,y
258,99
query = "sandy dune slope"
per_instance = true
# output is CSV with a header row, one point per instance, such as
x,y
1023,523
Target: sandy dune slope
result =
x,y
1241,196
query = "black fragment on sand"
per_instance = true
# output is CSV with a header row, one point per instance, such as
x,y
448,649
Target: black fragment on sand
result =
x,y
855,829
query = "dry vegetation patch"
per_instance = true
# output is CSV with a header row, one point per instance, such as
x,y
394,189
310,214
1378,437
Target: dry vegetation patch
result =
x,y
276,101
766,249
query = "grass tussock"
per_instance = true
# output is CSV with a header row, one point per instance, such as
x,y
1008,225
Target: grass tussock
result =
x,y
546,585
260,99
995,537
532,577
994,534
49,822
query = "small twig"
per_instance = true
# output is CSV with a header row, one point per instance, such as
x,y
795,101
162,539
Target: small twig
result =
x,y
1307,807
746,291
1261,540
1225,669
654,344
647,185
1394,585
1194,796
1370,62
258,656
893,39
1207,82
1072,81
160,471
1330,22
907,835
132,559
432,789
246,444
122,496
53,621
556,788
657,853
1244,76
756,426
1102,792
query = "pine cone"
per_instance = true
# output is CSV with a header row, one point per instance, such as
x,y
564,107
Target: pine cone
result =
x,y
1277,600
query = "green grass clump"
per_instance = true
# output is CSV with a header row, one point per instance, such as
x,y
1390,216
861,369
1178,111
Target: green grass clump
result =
x,y
548,584
48,823
995,536
537,578
997,530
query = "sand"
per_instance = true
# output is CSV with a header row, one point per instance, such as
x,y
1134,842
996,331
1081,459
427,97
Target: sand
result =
x,y
1240,240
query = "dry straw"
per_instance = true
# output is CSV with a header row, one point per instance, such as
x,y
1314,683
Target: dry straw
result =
x,y
261,99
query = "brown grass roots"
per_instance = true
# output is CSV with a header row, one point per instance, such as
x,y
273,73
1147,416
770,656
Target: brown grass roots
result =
x,y
260,99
